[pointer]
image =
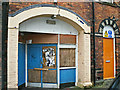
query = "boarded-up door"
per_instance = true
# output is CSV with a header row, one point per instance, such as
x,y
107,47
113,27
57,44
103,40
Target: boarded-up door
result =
x,y
108,57
42,64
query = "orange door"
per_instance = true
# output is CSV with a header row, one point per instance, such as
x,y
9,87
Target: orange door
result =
x,y
108,57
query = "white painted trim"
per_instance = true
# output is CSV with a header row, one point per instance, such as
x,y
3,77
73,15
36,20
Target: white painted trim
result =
x,y
48,32
67,67
76,58
21,42
25,15
67,46
26,64
117,36
58,70
45,85
34,84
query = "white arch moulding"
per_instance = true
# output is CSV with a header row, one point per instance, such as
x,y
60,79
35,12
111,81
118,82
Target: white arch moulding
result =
x,y
19,18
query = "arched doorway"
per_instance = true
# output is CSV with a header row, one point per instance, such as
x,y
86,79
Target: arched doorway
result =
x,y
71,26
108,52
51,52
109,29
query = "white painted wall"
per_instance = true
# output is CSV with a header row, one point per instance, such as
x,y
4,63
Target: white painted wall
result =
x,y
39,25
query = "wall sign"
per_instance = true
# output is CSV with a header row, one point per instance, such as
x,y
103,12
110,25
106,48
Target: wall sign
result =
x,y
111,23
51,22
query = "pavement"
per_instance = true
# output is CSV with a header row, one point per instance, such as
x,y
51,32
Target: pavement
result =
x,y
100,85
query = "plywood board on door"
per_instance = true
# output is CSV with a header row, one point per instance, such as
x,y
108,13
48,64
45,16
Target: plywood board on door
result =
x,y
39,38
34,75
49,76
67,39
67,57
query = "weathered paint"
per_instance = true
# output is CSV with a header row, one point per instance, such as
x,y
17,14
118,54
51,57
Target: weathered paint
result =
x,y
83,46
21,64
67,75
35,57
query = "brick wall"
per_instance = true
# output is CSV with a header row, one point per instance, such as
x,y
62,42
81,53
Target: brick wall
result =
x,y
81,8
84,9
99,52
98,57
117,52
105,11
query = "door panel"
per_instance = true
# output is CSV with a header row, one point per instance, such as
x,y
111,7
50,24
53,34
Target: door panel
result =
x,y
67,57
34,57
49,56
34,61
42,63
108,56
50,76
34,75
21,64
67,75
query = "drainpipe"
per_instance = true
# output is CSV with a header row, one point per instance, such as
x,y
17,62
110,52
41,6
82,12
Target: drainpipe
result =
x,y
5,8
94,70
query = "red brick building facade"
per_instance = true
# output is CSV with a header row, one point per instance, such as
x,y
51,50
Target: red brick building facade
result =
x,y
84,9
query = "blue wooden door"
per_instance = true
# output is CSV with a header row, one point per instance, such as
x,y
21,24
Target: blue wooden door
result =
x,y
34,56
34,61
21,64
42,68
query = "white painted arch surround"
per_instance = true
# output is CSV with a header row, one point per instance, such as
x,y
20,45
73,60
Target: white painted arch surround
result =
x,y
19,18
84,76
